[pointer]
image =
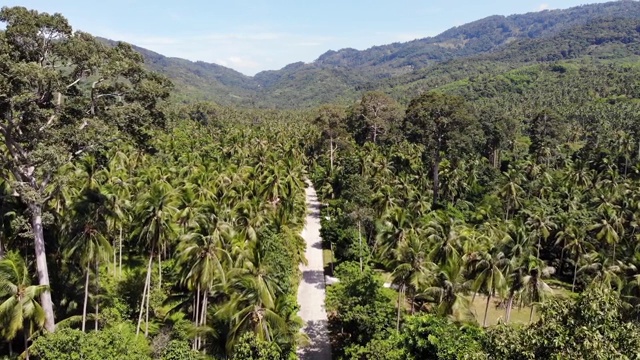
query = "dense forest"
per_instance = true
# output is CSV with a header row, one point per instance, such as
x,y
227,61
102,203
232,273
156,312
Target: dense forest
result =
x,y
481,206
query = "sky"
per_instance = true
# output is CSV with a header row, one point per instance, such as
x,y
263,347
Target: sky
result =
x,y
255,35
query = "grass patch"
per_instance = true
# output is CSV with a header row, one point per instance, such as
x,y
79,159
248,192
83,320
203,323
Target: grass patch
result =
x,y
497,314
328,260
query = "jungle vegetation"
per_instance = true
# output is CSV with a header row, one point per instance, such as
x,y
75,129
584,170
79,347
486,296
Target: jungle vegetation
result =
x,y
137,224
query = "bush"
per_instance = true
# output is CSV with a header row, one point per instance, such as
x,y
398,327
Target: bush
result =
x,y
251,348
114,343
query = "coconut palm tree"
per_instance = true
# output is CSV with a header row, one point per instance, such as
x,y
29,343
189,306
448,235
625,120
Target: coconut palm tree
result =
x,y
88,241
252,306
534,289
154,218
202,258
511,191
411,267
487,273
443,233
19,309
447,290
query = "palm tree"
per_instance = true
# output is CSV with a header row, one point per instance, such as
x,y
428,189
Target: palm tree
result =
x,y
154,214
447,290
393,230
20,309
605,273
88,243
487,271
410,269
252,306
541,225
534,288
511,191
443,232
202,256
609,228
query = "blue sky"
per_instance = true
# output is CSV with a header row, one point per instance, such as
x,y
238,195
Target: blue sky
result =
x,y
255,35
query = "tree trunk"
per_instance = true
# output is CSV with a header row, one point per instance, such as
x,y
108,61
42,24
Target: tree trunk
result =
x,y
486,311
144,294
26,343
509,306
531,313
97,296
1,249
41,265
146,328
120,255
575,274
436,176
86,298
159,271
115,258
399,307
196,341
203,315
331,154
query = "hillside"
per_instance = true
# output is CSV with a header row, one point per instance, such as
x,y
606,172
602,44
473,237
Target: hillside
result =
x,y
492,44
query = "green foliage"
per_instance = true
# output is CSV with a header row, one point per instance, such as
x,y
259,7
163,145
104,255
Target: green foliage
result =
x,y
251,348
180,350
360,308
117,342
431,337
592,327
377,349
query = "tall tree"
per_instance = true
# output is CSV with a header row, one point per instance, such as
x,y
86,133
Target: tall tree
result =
x,y
442,123
64,94
374,117
331,121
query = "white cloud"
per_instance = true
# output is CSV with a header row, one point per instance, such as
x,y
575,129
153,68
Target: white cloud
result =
x,y
543,6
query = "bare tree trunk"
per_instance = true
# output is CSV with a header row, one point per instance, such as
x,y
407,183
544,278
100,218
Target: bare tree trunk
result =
x,y
26,343
96,295
400,291
531,314
196,341
486,311
120,250
144,294
203,314
86,298
575,274
115,258
146,328
41,265
436,176
159,271
331,153
509,307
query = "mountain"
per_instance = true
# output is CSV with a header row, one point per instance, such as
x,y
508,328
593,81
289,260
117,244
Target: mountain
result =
x,y
495,43
200,81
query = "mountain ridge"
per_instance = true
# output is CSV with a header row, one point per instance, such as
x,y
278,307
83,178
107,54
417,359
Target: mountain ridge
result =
x,y
342,74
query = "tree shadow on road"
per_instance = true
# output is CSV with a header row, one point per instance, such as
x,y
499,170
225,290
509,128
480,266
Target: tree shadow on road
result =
x,y
320,348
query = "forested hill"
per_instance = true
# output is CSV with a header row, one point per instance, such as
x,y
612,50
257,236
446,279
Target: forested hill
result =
x,y
600,30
